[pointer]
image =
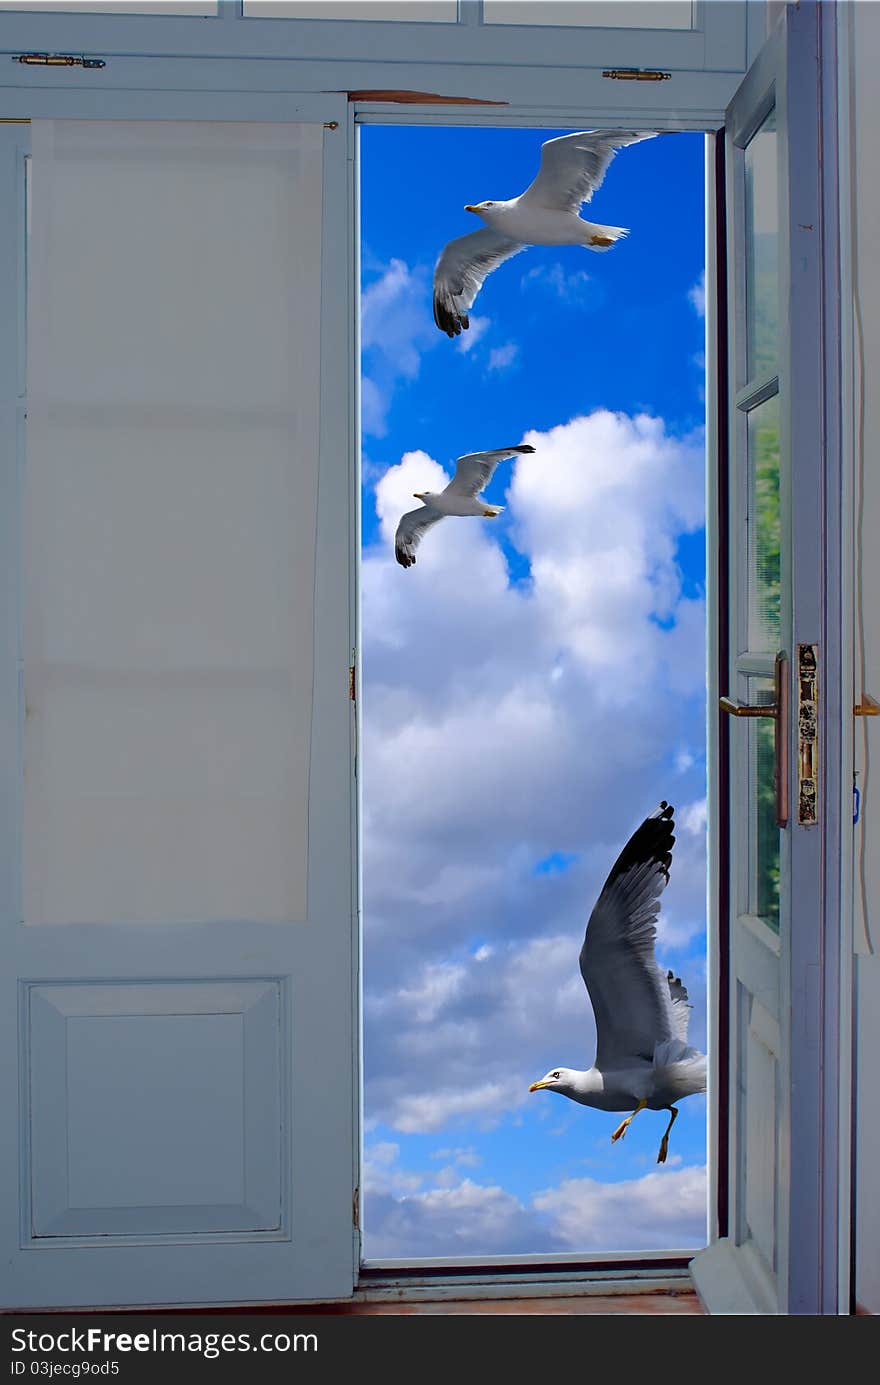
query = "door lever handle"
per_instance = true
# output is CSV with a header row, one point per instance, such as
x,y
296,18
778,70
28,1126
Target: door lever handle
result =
x,y
740,709
778,711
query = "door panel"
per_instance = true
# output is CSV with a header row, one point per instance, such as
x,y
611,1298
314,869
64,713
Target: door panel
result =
x,y
178,916
781,563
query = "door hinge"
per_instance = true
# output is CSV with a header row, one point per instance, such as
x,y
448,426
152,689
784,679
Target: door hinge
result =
x,y
57,60
636,74
356,1209
351,682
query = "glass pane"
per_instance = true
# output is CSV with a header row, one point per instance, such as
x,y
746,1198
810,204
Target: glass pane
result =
x,y
407,11
762,249
764,527
594,14
196,7
764,872
170,504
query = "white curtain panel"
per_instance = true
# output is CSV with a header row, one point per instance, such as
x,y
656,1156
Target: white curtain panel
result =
x,y
170,515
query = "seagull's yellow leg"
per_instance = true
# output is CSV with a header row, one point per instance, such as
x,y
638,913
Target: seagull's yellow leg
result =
x,y
664,1143
621,1129
603,240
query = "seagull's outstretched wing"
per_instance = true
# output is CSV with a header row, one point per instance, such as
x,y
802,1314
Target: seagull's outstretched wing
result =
x,y
635,1004
573,167
410,530
460,271
474,472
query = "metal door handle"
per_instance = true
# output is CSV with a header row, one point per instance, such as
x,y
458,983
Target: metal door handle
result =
x,y
778,710
742,709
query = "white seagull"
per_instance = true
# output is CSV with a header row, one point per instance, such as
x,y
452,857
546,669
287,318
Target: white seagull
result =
x,y
642,1055
461,497
572,168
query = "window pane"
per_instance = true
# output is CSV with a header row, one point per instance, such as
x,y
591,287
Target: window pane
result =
x,y
594,14
762,249
408,11
196,7
764,872
764,527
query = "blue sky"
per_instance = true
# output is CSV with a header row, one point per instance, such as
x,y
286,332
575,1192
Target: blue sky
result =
x,y
532,688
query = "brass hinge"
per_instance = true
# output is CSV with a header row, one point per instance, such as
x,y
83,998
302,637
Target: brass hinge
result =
x,y
57,60
356,1209
636,74
351,683
868,707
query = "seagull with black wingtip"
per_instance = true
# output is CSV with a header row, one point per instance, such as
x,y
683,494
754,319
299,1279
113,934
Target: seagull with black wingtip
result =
x,y
643,1059
572,168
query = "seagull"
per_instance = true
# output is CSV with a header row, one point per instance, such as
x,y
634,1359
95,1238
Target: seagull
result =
x,y
642,1055
572,168
461,497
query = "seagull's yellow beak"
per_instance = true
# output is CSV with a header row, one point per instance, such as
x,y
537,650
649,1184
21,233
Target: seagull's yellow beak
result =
x,y
470,209
418,495
536,1086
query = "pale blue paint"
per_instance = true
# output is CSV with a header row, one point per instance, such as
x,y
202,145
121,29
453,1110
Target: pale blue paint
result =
x,y
166,68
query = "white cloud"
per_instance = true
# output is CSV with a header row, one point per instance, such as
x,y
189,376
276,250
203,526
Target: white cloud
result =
x,y
383,1174
503,722
465,1157
692,818
396,331
424,1112
468,340
574,287
662,1210
697,295
503,357
467,1219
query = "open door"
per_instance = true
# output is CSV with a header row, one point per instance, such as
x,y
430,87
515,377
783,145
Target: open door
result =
x,y
777,681
178,869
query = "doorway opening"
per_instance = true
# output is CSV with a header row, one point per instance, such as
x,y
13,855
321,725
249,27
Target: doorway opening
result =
x,y
531,690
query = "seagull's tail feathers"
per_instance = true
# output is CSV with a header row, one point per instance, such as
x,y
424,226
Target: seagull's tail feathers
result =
x,y
602,238
683,1068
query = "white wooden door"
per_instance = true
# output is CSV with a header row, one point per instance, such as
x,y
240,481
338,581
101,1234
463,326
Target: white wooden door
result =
x,y
784,821
178,863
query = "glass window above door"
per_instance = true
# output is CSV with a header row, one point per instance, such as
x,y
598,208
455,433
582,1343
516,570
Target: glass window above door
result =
x,y
592,14
406,11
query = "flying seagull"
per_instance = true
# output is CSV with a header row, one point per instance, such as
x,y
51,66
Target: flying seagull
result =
x,y
572,168
461,497
642,1055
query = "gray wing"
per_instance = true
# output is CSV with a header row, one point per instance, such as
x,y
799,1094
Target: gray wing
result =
x,y
412,526
460,271
681,1009
474,472
574,166
632,999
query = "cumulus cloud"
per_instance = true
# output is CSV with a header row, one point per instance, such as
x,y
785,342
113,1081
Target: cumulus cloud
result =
x,y
505,726
697,295
663,1210
503,357
396,331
